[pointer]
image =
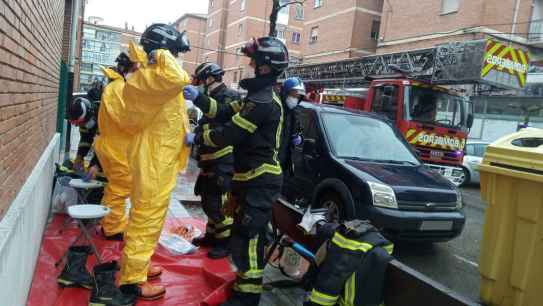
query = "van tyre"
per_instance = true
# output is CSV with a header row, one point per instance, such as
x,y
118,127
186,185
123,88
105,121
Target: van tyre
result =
x,y
336,208
467,177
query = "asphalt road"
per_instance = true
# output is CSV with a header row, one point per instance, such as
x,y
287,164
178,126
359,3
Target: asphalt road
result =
x,y
454,263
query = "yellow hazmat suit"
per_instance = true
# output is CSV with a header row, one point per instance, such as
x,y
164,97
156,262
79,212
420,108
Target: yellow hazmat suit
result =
x,y
156,113
112,149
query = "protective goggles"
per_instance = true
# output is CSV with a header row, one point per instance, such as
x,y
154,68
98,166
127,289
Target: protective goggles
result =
x,y
250,48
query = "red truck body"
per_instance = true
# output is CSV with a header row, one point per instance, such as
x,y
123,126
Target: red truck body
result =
x,y
433,119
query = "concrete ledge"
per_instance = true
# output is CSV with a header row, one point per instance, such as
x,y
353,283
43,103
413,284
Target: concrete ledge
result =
x,y
22,228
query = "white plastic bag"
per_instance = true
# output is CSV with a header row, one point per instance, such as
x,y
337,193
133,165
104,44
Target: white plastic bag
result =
x,y
176,245
64,196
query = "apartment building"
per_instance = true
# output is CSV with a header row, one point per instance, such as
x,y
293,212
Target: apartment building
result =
x,y
340,29
232,23
414,24
195,25
101,44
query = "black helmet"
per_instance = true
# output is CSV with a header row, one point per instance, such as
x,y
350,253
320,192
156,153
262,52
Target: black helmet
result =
x,y
95,91
268,51
163,36
205,70
123,61
79,110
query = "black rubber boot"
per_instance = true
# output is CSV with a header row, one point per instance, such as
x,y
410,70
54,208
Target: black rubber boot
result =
x,y
219,250
116,237
207,240
104,292
75,273
242,299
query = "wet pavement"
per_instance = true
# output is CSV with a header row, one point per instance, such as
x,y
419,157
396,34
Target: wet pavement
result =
x,y
454,263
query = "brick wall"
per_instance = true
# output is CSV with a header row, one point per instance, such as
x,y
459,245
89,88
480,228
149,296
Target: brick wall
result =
x,y
408,24
30,53
196,30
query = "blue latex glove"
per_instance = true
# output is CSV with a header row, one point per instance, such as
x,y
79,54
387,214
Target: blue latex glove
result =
x,y
296,140
190,92
91,174
189,139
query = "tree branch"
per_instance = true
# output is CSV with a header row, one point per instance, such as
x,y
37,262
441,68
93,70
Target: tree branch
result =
x,y
292,2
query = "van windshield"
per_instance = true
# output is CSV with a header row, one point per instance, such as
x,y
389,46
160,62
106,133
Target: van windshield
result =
x,y
365,138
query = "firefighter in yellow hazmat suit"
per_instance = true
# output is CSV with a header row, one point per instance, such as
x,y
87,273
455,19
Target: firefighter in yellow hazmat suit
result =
x,y
112,149
155,112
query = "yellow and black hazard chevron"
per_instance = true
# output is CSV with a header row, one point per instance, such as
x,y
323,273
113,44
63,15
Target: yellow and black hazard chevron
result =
x,y
506,59
334,99
433,140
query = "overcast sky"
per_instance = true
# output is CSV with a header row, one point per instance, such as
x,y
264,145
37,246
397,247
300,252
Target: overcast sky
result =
x,y
141,13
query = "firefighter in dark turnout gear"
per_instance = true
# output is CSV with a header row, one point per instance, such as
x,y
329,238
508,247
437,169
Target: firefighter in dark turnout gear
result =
x,y
83,113
353,271
216,164
292,93
255,133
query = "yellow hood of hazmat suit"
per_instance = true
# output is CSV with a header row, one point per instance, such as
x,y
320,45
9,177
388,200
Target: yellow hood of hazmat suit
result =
x,y
112,150
157,116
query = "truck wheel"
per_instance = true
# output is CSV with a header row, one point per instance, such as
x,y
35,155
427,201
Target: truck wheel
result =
x,y
466,178
335,206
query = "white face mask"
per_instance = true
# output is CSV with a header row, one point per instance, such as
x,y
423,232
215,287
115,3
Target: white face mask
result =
x,y
292,102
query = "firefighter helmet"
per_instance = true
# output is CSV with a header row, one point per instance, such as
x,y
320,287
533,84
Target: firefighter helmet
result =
x,y
163,36
268,51
205,70
294,84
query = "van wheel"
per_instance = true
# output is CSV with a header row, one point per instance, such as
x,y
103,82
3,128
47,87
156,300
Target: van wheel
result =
x,y
335,206
466,178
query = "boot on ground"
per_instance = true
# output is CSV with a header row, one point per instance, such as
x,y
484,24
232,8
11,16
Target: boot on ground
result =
x,y
242,299
105,293
154,272
145,291
219,250
75,273
205,241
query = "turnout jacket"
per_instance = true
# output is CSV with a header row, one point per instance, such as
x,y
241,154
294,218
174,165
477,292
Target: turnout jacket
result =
x,y
254,131
208,156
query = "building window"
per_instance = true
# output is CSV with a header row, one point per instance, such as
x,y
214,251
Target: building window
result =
x,y
240,29
449,6
235,77
211,3
299,12
210,22
281,34
318,3
296,37
375,25
242,5
314,35
238,54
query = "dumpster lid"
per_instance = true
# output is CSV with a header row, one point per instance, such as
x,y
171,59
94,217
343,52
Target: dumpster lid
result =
x,y
522,150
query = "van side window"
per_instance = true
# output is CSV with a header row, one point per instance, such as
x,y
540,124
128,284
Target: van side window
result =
x,y
307,122
385,105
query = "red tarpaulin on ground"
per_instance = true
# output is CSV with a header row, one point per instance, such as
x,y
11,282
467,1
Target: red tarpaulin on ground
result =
x,y
190,280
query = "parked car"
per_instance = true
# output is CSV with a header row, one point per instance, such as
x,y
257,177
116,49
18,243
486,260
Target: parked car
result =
x,y
475,151
358,165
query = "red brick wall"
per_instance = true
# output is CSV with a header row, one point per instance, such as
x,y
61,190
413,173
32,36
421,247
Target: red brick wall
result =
x,y
413,19
30,54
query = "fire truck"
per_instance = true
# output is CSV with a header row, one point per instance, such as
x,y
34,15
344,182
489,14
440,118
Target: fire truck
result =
x,y
415,90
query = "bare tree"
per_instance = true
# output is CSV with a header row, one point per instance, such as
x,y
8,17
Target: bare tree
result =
x,y
277,6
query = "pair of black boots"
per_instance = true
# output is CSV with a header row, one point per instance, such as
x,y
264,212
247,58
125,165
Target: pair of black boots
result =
x,y
219,247
104,291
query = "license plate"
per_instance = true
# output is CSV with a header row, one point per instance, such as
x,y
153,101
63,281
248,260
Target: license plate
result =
x,y
436,226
